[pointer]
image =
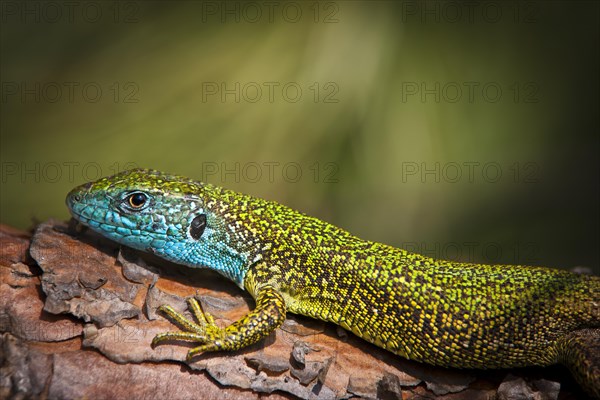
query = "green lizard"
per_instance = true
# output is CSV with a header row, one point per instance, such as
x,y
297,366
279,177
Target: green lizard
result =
x,y
438,312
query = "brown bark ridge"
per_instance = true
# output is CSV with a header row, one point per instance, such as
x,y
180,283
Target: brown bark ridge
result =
x,y
78,314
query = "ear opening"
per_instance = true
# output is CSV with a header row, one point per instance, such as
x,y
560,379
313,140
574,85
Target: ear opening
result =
x,y
197,226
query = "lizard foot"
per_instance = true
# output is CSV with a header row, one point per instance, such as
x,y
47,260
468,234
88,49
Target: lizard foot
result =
x,y
268,315
205,331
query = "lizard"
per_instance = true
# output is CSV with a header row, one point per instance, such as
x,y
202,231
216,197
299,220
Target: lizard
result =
x,y
438,312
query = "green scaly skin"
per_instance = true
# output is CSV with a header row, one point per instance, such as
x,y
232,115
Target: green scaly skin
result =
x,y
438,312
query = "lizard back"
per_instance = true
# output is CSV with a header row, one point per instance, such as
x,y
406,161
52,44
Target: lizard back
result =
x,y
440,312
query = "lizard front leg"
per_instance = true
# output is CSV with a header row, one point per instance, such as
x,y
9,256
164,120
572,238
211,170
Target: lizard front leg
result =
x,y
268,315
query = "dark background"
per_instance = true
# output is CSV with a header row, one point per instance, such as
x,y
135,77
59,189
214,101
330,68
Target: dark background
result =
x,y
462,130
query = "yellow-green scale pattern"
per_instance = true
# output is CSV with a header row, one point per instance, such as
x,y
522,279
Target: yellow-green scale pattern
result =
x,y
438,312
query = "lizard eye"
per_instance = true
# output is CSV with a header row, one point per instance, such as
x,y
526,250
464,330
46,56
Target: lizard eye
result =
x,y
137,200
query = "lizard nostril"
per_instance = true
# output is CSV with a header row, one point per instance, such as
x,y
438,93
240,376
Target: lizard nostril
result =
x,y
72,199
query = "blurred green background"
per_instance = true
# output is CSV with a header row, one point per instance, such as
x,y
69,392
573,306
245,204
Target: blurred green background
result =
x,y
462,130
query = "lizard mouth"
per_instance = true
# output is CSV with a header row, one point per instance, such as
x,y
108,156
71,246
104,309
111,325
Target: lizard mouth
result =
x,y
91,222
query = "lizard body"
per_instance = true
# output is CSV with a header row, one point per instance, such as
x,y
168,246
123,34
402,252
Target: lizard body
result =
x,y
438,312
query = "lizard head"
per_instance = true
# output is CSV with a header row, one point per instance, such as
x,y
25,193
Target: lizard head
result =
x,y
171,216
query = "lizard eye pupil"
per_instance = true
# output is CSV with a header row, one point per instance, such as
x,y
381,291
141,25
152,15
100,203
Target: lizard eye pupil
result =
x,y
137,200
